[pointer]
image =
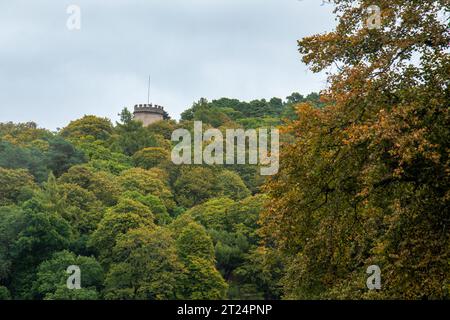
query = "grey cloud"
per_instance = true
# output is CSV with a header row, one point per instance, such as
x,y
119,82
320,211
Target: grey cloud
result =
x,y
244,49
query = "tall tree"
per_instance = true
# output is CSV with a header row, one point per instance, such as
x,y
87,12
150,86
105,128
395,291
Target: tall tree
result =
x,y
51,279
62,155
146,267
14,184
366,180
88,126
131,136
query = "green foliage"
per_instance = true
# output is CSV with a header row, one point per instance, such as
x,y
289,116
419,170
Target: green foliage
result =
x,y
62,155
80,175
84,210
259,277
87,127
50,198
232,227
230,249
249,175
147,182
103,185
127,205
203,282
159,231
51,280
103,159
194,185
225,111
152,202
212,214
12,221
127,215
195,247
43,234
194,241
231,185
17,157
14,185
146,267
163,128
150,157
4,293
203,111
131,136
106,187
365,179
23,134
295,99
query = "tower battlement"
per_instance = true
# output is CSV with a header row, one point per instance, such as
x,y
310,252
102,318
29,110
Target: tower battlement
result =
x,y
148,113
149,108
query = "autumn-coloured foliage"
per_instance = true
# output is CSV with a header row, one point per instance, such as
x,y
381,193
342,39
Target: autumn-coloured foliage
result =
x,y
363,182
366,179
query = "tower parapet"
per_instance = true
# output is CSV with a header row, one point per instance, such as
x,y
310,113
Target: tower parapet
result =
x,y
148,113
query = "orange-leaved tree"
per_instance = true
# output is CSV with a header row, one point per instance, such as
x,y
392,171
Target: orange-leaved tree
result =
x,y
366,179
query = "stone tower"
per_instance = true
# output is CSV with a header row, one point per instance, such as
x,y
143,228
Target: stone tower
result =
x,y
148,113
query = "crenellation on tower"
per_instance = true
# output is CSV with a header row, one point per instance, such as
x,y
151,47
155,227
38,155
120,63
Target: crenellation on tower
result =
x,y
148,113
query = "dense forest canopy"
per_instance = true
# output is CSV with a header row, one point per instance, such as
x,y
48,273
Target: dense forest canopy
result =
x,y
107,199
363,180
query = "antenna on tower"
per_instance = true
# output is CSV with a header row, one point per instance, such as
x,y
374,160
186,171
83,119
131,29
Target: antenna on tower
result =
x,y
148,95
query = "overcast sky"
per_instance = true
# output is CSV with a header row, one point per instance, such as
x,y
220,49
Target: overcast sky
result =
x,y
243,49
